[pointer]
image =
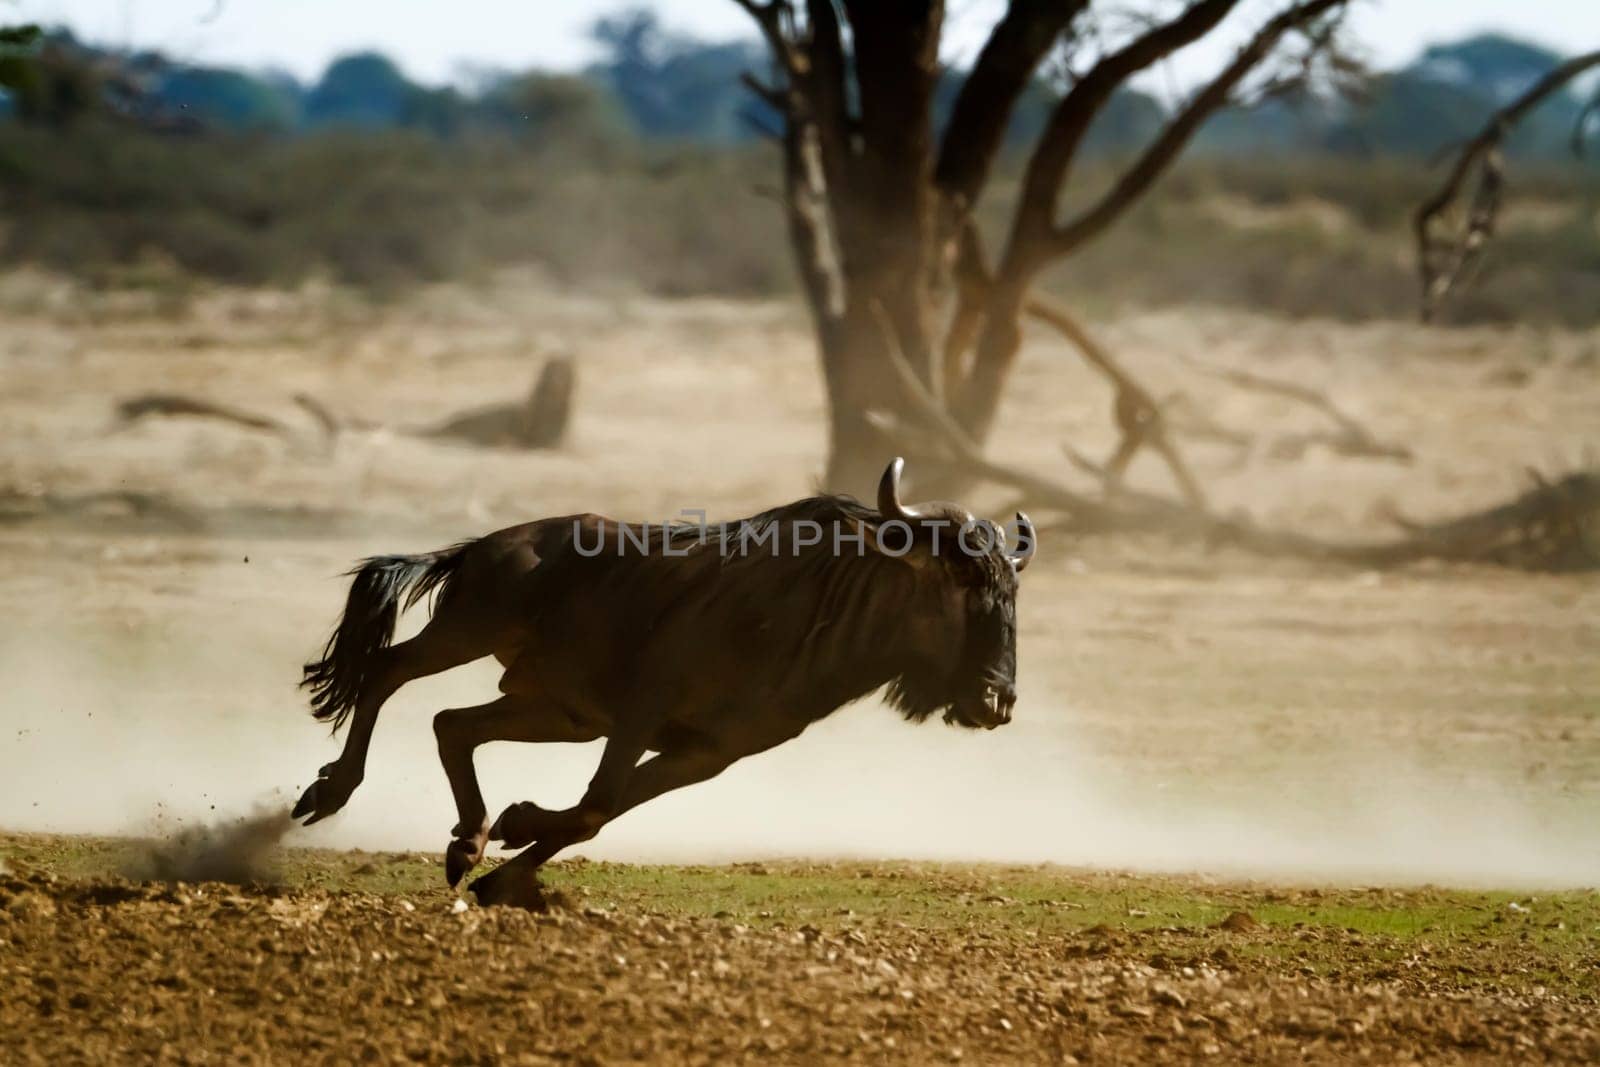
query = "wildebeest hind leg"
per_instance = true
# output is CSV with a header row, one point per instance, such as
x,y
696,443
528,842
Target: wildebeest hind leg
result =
x,y
459,732
447,641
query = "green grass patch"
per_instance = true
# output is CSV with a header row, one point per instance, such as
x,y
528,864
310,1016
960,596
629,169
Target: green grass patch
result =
x,y
1473,939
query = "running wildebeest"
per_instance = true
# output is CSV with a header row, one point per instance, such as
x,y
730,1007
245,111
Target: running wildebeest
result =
x,y
700,644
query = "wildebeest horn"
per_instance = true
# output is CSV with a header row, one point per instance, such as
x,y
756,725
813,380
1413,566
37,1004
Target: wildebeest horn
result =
x,y
889,505
1025,536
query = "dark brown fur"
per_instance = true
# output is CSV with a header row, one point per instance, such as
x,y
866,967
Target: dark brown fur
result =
x,y
700,646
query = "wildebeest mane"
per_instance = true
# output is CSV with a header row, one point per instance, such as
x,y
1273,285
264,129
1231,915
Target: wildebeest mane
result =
x,y
832,613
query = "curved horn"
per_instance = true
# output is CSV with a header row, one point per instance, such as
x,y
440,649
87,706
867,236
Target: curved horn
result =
x,y
1025,536
889,505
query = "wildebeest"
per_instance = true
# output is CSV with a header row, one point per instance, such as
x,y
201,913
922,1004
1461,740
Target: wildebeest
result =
x,y
701,645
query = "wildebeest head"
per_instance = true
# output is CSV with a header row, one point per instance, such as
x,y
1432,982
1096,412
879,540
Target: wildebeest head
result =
x,y
963,635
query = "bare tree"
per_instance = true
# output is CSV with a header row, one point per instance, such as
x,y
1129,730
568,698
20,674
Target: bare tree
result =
x,y
880,204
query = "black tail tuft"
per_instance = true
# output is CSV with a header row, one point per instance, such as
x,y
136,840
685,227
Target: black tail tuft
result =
x,y
367,626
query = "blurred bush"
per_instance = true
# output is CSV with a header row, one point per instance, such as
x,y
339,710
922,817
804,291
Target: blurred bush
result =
x,y
646,172
381,210
384,209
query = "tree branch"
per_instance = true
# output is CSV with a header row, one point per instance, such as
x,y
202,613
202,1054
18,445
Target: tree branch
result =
x,y
1351,439
962,450
983,107
1176,136
1443,261
810,231
769,18
807,186
1069,121
776,99
1138,416
165,404
1545,529
825,87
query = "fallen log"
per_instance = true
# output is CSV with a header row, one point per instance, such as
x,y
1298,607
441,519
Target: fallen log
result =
x,y
538,421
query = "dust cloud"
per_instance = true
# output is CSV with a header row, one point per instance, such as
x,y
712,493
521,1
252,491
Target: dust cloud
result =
x,y
1180,711
240,851
111,727
866,785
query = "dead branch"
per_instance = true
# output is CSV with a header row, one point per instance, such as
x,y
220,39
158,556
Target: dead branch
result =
x,y
1138,416
1183,418
944,434
1555,526
1446,254
176,404
1350,438
1294,446
330,424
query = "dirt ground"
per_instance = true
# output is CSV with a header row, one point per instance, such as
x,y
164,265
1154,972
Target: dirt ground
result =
x,y
1181,710
368,958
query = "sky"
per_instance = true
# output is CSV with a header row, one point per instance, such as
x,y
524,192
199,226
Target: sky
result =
x,y
439,42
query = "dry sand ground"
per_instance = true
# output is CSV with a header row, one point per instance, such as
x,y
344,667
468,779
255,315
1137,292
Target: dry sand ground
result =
x,y
363,956
1180,711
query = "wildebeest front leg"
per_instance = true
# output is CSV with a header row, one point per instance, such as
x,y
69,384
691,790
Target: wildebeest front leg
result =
x,y
562,829
521,824
459,732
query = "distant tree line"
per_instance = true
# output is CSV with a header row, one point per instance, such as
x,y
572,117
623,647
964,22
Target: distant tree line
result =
x,y
653,170
652,84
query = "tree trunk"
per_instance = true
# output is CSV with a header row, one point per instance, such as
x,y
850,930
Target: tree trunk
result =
x,y
999,339
880,207
883,319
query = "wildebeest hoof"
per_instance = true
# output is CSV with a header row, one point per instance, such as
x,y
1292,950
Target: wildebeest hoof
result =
x,y
326,795
521,824
463,854
509,885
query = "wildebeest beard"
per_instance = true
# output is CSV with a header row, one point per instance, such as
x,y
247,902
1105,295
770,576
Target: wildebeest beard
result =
x,y
965,684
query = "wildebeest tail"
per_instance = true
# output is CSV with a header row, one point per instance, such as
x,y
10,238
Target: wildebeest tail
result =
x,y
367,625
